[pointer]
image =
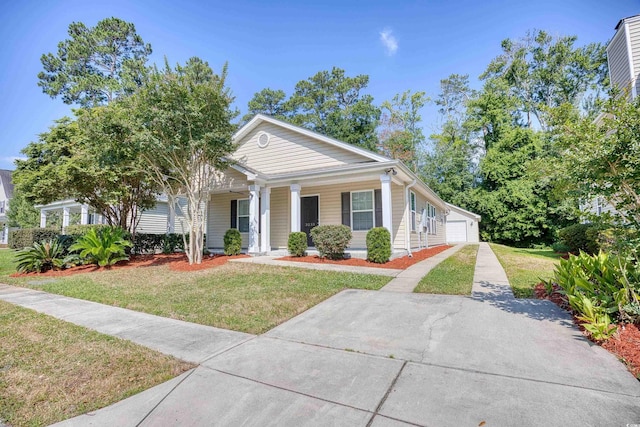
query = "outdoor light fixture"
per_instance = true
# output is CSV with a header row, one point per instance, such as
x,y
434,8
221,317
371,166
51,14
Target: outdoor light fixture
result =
x,y
392,170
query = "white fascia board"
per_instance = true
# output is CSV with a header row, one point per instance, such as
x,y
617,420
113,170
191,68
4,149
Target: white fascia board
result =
x,y
260,118
333,172
458,208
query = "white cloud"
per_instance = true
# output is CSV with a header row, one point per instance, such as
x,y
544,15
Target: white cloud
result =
x,y
8,160
389,41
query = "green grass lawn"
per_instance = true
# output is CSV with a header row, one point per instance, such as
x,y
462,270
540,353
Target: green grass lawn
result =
x,y
453,276
242,297
51,370
526,268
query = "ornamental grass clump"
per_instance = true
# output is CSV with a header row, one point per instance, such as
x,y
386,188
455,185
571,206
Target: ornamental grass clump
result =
x,y
331,240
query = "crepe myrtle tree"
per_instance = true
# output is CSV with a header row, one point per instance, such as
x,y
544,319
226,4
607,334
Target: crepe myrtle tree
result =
x,y
185,119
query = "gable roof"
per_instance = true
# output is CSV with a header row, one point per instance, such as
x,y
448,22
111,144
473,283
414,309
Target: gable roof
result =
x,y
262,118
464,211
7,183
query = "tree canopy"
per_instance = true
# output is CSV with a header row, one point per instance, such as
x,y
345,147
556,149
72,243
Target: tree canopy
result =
x,y
95,65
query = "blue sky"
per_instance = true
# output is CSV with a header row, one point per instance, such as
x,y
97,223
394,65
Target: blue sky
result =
x,y
276,44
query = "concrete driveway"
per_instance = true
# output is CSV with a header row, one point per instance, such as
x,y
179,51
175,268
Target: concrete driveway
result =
x,y
387,359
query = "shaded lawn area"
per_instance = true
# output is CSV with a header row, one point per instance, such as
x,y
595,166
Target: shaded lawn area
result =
x,y
526,268
453,276
241,297
51,370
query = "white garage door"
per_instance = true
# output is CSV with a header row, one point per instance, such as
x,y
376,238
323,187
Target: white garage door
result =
x,y
456,231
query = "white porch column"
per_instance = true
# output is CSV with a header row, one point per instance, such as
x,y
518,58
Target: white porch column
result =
x,y
65,218
171,217
295,207
265,220
84,215
43,218
385,184
254,217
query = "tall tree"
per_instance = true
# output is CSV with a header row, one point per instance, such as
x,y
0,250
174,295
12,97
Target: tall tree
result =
x,y
96,64
544,72
92,159
332,104
270,102
401,134
185,115
21,212
450,161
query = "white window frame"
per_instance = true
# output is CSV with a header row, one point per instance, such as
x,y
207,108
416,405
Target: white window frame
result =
x,y
238,216
432,227
413,201
372,210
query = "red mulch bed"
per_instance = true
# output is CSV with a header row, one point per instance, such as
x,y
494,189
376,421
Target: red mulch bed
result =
x,y
397,263
625,343
176,262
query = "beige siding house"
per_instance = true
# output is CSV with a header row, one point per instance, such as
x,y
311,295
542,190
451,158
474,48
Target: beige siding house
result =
x,y
286,178
623,56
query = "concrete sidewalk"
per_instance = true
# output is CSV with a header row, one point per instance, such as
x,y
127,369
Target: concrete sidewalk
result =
x,y
367,358
187,341
407,280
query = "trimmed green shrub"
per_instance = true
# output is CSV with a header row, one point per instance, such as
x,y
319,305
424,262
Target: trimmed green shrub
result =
x,y
40,257
104,247
378,245
578,237
297,244
331,240
26,237
80,229
560,247
232,242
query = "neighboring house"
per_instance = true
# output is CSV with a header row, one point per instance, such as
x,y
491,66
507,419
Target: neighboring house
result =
x,y
6,192
462,225
158,220
623,58
285,178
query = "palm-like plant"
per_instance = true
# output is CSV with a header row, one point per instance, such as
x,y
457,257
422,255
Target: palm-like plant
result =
x,y
42,256
104,247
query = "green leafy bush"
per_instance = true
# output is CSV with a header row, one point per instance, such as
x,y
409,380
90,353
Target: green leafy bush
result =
x,y
26,237
104,247
331,240
40,257
580,237
232,242
80,229
560,247
602,289
378,245
297,244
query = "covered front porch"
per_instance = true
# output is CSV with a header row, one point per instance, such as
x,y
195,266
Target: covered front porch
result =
x,y
67,212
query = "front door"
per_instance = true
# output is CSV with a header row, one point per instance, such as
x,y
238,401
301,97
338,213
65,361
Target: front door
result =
x,y
308,215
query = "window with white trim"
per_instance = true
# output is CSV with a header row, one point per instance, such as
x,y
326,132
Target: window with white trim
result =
x,y
432,227
412,206
243,215
362,214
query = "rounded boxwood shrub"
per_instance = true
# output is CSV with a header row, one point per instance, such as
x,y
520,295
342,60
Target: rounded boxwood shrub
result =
x,y
378,245
232,242
331,240
297,244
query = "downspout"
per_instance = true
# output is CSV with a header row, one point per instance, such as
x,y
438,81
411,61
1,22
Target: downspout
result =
x,y
407,208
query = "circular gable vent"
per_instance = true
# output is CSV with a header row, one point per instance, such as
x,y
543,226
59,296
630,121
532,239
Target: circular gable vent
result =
x,y
263,139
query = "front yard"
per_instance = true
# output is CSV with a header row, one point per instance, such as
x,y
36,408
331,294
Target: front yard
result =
x,y
453,276
51,370
241,297
526,268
